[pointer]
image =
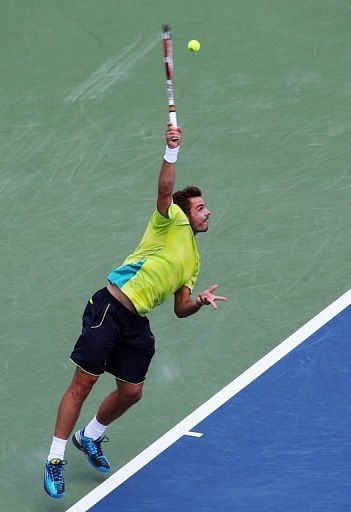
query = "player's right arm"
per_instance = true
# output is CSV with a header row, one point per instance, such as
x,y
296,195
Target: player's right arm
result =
x,y
167,174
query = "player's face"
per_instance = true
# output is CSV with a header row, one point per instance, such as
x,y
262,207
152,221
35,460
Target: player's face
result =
x,y
198,214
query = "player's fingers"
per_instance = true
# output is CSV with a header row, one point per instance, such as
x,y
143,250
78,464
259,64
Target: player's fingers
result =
x,y
171,127
213,288
220,297
174,138
213,304
173,135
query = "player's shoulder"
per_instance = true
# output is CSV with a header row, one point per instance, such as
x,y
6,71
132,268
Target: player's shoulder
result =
x,y
174,214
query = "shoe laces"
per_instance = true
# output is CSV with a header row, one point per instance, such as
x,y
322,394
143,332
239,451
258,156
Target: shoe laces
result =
x,y
56,470
95,446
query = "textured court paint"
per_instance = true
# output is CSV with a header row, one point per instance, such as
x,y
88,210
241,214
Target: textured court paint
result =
x,y
264,107
112,70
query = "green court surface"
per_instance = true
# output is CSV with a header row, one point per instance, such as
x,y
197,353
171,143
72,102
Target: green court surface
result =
x,y
265,108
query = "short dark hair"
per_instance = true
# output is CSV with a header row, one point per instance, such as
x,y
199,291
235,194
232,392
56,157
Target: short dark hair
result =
x,y
181,197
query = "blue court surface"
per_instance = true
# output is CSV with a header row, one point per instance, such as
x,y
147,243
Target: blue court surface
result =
x,y
277,438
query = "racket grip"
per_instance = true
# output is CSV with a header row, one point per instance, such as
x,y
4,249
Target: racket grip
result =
x,y
173,121
173,118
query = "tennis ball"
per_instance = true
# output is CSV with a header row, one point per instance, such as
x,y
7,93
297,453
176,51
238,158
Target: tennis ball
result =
x,y
193,45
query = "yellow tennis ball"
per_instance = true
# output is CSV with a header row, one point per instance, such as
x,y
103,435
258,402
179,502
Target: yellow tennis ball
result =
x,y
193,45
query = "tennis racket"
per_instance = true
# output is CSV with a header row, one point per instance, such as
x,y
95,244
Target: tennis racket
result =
x,y
168,62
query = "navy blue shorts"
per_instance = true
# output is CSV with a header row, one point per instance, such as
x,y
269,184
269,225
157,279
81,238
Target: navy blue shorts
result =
x,y
114,340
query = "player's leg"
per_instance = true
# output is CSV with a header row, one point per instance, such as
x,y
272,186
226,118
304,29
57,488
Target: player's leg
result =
x,y
119,401
89,439
72,401
98,336
67,415
128,362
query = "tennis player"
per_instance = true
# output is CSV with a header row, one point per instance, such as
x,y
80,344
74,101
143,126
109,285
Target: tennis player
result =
x,y
116,335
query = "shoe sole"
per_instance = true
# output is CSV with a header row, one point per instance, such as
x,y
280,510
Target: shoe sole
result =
x,y
80,447
55,496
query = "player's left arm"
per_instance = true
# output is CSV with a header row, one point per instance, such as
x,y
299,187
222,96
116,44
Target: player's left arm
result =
x,y
185,305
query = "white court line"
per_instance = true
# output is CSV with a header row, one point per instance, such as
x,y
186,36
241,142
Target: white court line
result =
x,y
220,398
194,434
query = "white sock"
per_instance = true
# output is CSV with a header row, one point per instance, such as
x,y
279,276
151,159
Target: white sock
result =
x,y
57,449
94,429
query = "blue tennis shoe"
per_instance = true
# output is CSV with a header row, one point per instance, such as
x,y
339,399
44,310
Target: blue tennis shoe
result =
x,y
54,483
92,450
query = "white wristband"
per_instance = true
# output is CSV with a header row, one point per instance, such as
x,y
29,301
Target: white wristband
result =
x,y
171,155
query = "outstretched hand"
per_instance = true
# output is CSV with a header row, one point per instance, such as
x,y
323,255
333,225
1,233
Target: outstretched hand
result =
x,y
208,297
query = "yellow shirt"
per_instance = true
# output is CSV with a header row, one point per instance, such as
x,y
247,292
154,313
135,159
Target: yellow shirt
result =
x,y
165,260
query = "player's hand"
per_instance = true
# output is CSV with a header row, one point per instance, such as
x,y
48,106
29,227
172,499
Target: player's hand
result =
x,y
173,136
208,297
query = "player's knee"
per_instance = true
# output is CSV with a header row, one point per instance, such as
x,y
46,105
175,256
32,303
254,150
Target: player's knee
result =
x,y
81,387
132,395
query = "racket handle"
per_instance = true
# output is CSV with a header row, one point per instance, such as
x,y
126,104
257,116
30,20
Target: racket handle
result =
x,y
173,121
173,118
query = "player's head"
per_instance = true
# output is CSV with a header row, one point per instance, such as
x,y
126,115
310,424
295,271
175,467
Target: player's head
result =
x,y
190,200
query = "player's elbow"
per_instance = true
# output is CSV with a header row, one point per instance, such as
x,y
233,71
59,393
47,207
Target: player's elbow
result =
x,y
180,312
